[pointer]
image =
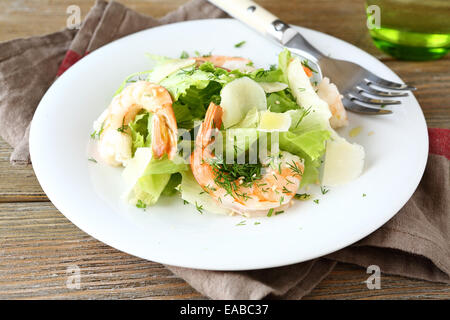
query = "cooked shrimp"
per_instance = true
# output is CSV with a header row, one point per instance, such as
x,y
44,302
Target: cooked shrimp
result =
x,y
229,63
115,139
328,92
263,192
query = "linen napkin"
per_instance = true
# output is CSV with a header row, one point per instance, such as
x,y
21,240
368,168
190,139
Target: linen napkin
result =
x,y
415,243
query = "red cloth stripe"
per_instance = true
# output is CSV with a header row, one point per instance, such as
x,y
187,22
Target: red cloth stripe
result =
x,y
439,141
70,59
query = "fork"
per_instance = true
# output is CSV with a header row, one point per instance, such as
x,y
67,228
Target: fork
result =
x,y
358,86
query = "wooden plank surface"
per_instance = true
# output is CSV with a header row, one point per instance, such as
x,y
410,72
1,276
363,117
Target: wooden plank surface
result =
x,y
37,243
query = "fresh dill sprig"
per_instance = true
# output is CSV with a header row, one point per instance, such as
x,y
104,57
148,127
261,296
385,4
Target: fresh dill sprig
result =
x,y
232,176
306,64
304,114
239,44
324,190
199,207
242,223
184,55
141,205
302,196
295,169
95,134
124,127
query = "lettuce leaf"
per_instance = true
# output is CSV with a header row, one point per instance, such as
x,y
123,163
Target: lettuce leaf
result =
x,y
130,79
178,82
284,58
171,187
310,146
146,177
193,103
281,101
166,66
194,194
140,129
149,189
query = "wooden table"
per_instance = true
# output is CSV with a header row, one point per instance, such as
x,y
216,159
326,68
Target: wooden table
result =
x,y
37,243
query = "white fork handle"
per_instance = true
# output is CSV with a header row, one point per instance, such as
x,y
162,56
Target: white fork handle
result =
x,y
248,12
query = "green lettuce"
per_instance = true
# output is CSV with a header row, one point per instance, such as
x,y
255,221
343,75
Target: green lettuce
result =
x,y
192,193
310,146
171,187
284,58
281,101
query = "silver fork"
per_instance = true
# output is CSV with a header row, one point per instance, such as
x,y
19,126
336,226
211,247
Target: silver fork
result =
x,y
359,86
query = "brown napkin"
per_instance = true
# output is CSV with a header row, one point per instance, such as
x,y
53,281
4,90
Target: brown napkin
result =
x,y
414,243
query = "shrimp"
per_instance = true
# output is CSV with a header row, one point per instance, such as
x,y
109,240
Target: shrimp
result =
x,y
328,92
258,194
228,63
115,138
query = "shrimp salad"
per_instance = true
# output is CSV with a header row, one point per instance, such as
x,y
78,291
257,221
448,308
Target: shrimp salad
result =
x,y
226,136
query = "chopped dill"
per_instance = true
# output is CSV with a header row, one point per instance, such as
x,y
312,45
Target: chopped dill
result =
x,y
306,64
124,127
316,201
269,214
184,55
304,114
239,44
92,160
324,190
96,134
242,223
302,196
289,182
256,223
199,207
286,190
187,72
232,176
294,167
141,205
279,212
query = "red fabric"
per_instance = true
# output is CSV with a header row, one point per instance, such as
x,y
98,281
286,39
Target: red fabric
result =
x,y
439,141
70,58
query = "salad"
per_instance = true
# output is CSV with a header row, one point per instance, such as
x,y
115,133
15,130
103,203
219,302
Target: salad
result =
x,y
226,136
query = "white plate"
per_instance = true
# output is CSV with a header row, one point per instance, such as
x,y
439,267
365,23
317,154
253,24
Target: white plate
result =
x,y
176,234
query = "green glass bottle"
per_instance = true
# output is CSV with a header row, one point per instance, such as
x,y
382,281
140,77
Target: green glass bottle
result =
x,y
410,29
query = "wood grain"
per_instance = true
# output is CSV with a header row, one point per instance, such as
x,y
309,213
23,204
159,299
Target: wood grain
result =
x,y
37,243
17,183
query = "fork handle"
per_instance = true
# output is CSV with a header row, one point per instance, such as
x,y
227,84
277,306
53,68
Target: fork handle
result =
x,y
250,13
268,24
